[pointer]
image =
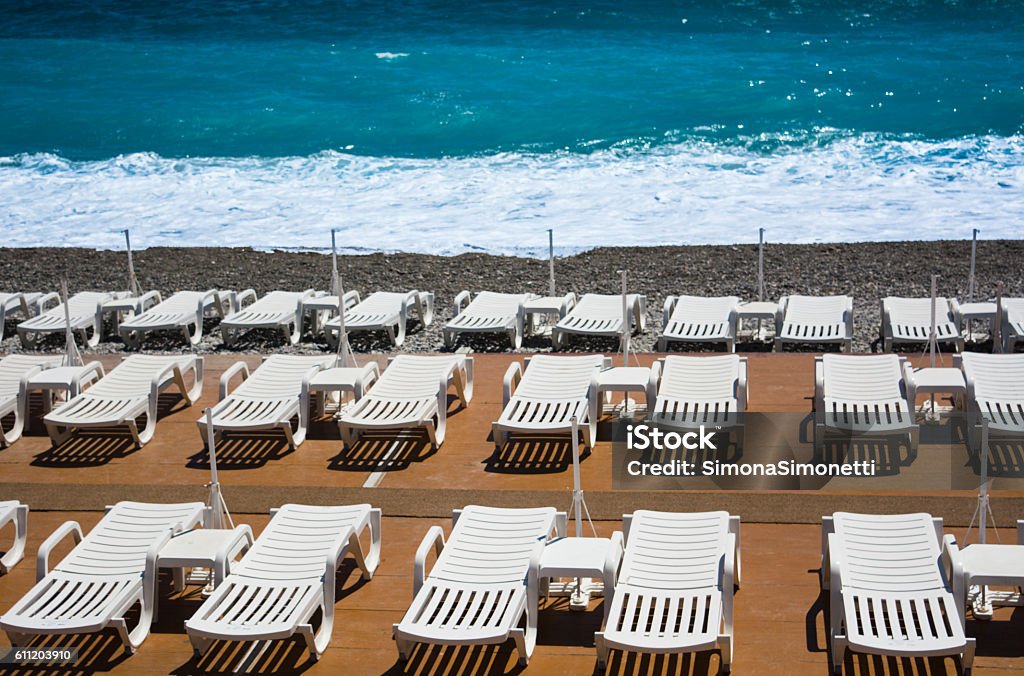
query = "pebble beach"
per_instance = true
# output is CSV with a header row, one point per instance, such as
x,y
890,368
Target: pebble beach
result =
x,y
866,271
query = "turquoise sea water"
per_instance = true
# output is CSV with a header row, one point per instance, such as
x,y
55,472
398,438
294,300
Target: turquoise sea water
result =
x,y
270,122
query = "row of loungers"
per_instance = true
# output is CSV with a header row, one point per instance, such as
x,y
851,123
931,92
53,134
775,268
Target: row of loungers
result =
x,y
862,394
674,586
815,320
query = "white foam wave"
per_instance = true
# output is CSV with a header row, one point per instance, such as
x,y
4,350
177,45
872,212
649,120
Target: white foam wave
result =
x,y
853,189
390,56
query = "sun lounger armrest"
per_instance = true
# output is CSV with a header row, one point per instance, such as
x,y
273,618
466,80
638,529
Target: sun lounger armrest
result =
x,y
953,568
231,547
614,558
728,582
819,384
461,302
561,524
909,384
433,539
652,386
43,556
247,297
349,300
47,300
225,378
423,301
734,529
954,309
780,314
369,375
513,376
667,310
568,303
93,368
741,386
148,300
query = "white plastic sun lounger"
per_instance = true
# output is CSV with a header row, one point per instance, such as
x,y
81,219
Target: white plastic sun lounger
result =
x,y
1013,323
489,312
995,392
15,370
484,583
287,576
179,312
699,319
861,395
109,572
129,391
544,398
86,309
675,588
411,393
909,320
270,399
15,513
888,592
690,391
814,319
278,310
384,311
28,304
600,315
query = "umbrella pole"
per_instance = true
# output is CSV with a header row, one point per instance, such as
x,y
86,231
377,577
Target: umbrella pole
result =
x,y
933,345
72,356
974,252
579,598
982,606
627,404
133,282
551,262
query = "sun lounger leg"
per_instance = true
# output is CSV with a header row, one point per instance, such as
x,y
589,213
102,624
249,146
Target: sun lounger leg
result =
x,y
602,650
967,661
199,644
449,339
725,645
10,436
404,646
17,550
58,435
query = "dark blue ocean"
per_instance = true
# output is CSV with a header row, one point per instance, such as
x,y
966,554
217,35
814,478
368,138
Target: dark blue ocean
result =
x,y
452,126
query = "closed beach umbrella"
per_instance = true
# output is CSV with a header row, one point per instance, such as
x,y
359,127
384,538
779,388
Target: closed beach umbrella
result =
x,y
72,357
220,516
133,281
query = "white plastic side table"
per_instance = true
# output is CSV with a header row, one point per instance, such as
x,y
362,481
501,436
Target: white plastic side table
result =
x,y
626,379
583,558
971,312
204,548
1000,565
67,380
940,381
759,310
337,381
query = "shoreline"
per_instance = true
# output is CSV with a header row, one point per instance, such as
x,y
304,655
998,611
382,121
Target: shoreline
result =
x,y
867,271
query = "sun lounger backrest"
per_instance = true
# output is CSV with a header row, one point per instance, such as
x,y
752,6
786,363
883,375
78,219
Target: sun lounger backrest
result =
x,y
816,309
561,378
414,376
705,309
667,550
700,378
298,540
181,301
997,377
490,545
281,375
875,377
599,306
918,311
117,545
82,303
134,376
276,301
892,552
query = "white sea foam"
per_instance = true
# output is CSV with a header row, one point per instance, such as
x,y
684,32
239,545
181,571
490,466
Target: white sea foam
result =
x,y
852,189
390,56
